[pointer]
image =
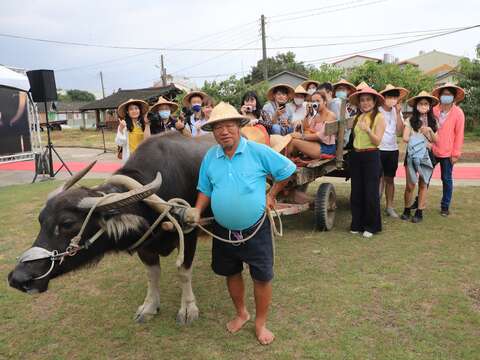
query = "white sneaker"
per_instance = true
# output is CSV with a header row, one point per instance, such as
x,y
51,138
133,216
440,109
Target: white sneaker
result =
x,y
391,212
354,232
367,234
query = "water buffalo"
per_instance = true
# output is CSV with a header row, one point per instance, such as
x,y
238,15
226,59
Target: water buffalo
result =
x,y
119,224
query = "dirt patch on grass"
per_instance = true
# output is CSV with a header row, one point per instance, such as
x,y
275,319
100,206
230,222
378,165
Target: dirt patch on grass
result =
x,y
474,294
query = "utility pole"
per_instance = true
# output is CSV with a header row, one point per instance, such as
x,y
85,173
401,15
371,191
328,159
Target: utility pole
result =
x,y
163,72
264,48
103,87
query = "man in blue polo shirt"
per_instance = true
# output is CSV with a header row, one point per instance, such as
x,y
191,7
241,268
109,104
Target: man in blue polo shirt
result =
x,y
232,181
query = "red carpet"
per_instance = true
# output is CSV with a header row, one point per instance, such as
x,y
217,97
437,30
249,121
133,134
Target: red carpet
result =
x,y
459,172
74,166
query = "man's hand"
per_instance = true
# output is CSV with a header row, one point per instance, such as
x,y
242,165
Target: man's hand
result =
x,y
271,201
454,159
398,106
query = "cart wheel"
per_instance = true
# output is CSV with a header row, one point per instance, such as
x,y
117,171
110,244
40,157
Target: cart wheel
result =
x,y
325,205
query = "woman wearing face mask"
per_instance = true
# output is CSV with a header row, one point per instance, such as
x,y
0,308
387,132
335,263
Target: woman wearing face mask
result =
x,y
420,133
367,133
312,141
310,86
163,119
299,106
342,90
132,114
392,113
448,148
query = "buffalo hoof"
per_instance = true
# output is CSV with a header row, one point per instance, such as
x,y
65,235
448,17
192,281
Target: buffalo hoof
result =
x,y
187,315
145,313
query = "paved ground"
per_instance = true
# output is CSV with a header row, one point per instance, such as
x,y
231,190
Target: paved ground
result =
x,y
465,174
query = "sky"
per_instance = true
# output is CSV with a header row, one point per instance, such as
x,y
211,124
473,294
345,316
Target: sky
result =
x,y
335,27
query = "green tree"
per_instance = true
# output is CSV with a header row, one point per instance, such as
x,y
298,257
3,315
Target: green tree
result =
x,y
327,72
76,95
379,75
277,64
469,79
232,90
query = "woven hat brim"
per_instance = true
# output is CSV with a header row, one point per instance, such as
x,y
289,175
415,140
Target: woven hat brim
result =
x,y
291,91
208,126
355,97
411,102
458,97
403,92
121,111
171,104
186,99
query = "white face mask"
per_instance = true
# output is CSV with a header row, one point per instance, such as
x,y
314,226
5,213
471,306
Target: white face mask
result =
x,y
311,91
298,101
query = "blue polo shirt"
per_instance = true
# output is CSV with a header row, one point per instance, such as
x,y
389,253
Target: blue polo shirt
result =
x,y
237,186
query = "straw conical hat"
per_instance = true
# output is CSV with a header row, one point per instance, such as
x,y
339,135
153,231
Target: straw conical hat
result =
x,y
403,92
354,99
253,133
308,82
279,142
122,108
423,95
290,91
361,86
224,111
459,96
300,90
343,82
186,99
163,101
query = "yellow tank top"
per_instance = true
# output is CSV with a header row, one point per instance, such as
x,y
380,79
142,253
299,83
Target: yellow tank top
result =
x,y
362,139
135,137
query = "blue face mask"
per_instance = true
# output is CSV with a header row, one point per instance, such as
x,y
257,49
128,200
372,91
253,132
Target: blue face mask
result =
x,y
446,99
164,114
341,94
196,107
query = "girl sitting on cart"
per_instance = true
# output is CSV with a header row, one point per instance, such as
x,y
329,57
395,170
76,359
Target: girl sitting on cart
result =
x,y
310,139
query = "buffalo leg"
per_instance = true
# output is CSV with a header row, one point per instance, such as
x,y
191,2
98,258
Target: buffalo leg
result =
x,y
188,307
151,304
188,311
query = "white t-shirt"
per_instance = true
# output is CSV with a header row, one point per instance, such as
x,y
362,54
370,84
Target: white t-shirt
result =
x,y
389,140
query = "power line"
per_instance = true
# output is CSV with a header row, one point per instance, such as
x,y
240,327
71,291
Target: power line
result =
x,y
349,7
349,42
389,46
289,14
367,35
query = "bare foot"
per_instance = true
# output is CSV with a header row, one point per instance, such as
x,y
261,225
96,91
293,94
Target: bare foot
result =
x,y
264,336
236,324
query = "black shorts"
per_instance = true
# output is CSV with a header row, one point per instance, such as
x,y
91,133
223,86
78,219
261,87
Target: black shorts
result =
x,y
228,259
389,160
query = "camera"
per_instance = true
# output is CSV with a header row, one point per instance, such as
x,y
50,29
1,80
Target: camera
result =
x,y
248,108
315,106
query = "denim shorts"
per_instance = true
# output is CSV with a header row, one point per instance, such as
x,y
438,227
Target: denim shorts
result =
x,y
328,149
228,259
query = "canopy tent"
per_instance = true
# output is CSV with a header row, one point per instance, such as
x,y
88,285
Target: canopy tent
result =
x,y
12,79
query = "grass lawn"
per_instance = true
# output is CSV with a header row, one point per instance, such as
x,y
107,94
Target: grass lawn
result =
x,y
412,292
83,138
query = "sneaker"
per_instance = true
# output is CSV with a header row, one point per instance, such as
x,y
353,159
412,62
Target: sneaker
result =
x,y
367,234
391,212
406,214
354,232
418,217
444,212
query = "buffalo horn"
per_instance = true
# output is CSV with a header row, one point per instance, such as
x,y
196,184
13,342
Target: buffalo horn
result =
x,y
124,199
